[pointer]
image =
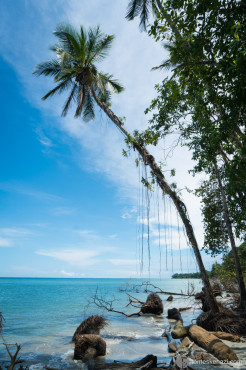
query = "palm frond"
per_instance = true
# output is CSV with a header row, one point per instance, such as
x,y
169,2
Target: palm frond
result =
x,y
105,98
80,101
167,64
101,49
114,85
62,54
49,68
68,39
139,8
88,111
60,88
82,36
69,100
94,34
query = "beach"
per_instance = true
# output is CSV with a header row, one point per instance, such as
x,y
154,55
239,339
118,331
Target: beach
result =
x,y
42,314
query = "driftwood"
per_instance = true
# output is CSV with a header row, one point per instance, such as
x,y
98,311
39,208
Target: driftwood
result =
x,y
102,302
226,336
211,343
146,363
185,308
160,291
15,360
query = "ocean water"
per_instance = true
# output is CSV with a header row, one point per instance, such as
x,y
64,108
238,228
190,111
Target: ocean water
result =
x,y
42,314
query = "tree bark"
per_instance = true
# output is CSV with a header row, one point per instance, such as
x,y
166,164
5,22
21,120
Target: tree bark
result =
x,y
239,273
180,206
212,344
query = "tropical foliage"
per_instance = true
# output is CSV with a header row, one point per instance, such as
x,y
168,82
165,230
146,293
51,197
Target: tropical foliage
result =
x,y
226,270
74,69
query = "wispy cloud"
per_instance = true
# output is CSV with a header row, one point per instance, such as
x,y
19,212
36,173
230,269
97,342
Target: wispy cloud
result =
x,y
123,262
77,257
90,234
15,232
13,187
5,242
60,211
129,214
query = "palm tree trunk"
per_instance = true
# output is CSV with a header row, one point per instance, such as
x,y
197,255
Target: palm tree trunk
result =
x,y
242,290
180,206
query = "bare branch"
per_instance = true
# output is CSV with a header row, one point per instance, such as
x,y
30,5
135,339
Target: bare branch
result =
x,y
107,305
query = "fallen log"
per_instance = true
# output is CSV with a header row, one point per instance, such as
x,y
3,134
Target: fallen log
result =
x,y
180,332
146,363
211,343
226,336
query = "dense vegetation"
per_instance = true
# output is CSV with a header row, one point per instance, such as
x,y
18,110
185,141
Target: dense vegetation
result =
x,y
227,269
189,275
203,103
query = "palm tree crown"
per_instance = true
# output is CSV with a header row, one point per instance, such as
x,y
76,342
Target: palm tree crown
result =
x,y
74,69
142,8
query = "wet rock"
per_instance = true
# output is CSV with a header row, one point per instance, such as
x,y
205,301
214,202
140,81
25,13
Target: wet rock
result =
x,y
153,305
170,298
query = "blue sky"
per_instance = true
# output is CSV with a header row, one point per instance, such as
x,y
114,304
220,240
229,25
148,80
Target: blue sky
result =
x,y
70,203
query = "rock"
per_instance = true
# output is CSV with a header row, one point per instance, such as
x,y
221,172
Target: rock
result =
x,y
170,298
92,325
173,313
89,346
153,305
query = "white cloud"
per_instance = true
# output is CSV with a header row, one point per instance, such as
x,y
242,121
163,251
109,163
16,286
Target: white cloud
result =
x,y
78,257
15,232
15,187
71,274
90,234
5,242
123,262
60,211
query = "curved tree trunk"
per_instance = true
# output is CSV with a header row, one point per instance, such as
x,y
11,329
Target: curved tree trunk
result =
x,y
242,290
180,206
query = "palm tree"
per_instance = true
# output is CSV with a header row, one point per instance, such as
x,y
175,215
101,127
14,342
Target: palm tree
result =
x,y
74,68
143,8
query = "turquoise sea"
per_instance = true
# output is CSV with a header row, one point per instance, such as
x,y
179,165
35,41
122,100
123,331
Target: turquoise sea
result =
x,y
42,314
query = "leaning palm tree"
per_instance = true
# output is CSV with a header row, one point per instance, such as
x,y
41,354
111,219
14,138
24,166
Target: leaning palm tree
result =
x,y
75,69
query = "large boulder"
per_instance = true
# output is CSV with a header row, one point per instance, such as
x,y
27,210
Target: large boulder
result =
x,y
91,325
153,305
89,346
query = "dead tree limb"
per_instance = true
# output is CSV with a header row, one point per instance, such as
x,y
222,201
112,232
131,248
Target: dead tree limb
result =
x,y
160,291
13,357
107,305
